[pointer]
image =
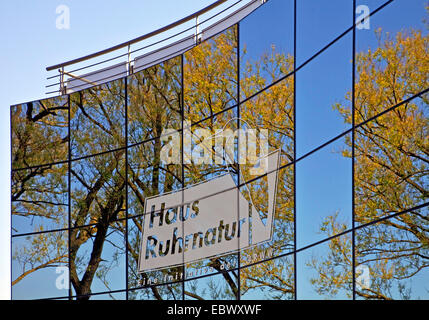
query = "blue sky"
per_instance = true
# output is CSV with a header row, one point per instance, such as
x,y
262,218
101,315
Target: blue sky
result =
x,y
31,42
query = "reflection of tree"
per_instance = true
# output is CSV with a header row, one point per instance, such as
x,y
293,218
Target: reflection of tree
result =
x,y
391,169
98,183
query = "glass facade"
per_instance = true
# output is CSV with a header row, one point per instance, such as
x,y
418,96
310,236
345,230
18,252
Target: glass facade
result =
x,y
345,104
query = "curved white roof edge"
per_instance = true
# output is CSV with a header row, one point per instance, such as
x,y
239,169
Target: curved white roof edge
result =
x,y
79,82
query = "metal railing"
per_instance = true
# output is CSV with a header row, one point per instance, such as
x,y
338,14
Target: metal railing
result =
x,y
153,52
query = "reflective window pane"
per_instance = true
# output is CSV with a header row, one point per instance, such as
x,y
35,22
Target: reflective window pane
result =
x,y
325,271
324,192
210,76
149,174
318,23
39,132
154,101
263,195
210,147
40,199
40,266
97,121
266,53
271,114
146,246
392,258
391,167
271,280
323,96
391,58
98,189
97,259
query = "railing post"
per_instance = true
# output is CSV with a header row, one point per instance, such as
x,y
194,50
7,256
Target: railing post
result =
x,y
62,85
198,36
129,63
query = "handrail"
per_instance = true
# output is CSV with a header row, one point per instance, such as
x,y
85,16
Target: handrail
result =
x,y
138,39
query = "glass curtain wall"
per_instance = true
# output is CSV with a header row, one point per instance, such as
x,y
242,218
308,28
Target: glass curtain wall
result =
x,y
338,88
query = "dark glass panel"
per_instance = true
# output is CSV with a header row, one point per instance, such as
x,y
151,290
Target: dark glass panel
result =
x,y
271,114
39,132
391,166
97,259
40,199
149,175
40,266
154,101
270,280
210,76
151,279
98,189
392,258
281,235
391,57
97,121
210,153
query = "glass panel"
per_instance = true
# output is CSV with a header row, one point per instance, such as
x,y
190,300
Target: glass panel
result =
x,y
211,165
323,89
210,76
271,280
391,167
266,52
210,147
40,199
39,132
272,111
97,121
98,189
318,23
154,101
40,266
324,192
97,258
325,271
218,287
281,235
138,232
391,57
392,258
149,175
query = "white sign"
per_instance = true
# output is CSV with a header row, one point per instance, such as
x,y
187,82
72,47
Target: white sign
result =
x,y
205,220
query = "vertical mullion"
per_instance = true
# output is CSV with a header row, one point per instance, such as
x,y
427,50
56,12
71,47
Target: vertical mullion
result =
x,y
294,151
353,152
238,164
182,116
69,190
126,187
10,195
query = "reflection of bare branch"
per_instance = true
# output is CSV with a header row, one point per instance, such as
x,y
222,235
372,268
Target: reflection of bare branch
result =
x,y
49,263
193,295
